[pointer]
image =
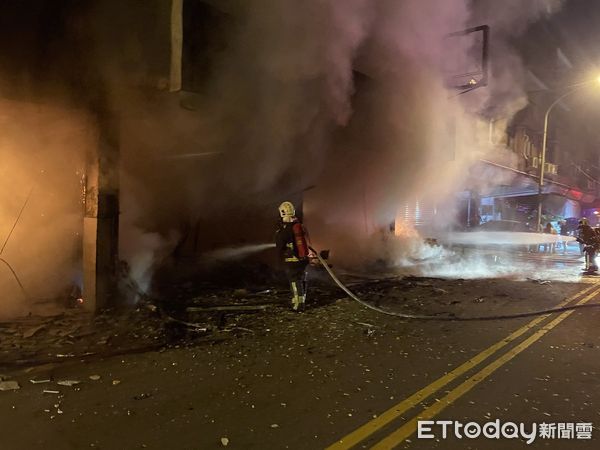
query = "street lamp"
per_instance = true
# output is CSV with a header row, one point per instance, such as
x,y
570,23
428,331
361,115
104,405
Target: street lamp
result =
x,y
545,141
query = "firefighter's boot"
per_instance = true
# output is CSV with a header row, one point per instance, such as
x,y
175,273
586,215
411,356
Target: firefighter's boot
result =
x,y
303,290
295,296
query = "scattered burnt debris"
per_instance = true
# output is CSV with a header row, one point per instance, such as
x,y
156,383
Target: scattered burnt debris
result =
x,y
75,333
211,314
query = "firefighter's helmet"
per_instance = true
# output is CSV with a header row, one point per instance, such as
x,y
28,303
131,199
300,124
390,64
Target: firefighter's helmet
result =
x,y
287,211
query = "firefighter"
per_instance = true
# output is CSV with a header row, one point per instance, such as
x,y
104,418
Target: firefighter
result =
x,y
579,233
551,246
590,239
291,241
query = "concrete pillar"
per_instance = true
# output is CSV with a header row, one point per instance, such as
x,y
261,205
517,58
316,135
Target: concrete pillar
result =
x,y
101,219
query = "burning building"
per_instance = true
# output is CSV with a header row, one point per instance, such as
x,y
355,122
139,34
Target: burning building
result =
x,y
189,121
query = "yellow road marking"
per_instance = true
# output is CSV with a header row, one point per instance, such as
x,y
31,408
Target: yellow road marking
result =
x,y
410,427
396,411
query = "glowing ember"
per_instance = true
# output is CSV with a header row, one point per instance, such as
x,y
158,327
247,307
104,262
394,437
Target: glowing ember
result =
x,y
403,229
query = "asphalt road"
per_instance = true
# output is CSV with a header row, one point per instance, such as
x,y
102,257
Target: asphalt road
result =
x,y
337,376
544,373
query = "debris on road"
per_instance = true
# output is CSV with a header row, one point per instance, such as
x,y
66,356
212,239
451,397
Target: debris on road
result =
x,y
9,386
33,331
46,380
284,350
240,293
142,396
542,282
232,308
215,316
76,333
68,382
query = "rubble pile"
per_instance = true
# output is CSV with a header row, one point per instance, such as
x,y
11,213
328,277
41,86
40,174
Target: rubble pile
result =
x,y
223,314
152,324
75,333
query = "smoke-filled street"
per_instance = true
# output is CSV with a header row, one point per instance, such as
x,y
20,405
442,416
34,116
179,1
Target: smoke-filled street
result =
x,y
315,224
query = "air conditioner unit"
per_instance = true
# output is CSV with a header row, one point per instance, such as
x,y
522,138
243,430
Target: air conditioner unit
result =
x,y
549,168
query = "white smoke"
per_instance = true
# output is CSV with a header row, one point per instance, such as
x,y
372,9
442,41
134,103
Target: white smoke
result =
x,y
414,140
281,111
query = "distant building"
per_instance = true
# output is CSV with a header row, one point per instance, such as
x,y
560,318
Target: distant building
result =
x,y
571,166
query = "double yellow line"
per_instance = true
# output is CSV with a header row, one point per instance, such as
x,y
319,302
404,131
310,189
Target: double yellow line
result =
x,y
410,427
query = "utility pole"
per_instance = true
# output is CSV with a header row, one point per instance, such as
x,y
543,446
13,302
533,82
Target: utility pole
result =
x,y
545,143
101,216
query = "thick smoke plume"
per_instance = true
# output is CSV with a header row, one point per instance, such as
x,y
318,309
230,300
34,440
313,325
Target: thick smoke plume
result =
x,y
350,97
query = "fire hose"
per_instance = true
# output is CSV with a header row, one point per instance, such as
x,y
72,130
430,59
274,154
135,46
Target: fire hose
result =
x,y
354,297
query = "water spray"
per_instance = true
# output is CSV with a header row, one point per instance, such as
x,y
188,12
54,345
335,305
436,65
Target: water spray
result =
x,y
233,253
354,297
507,238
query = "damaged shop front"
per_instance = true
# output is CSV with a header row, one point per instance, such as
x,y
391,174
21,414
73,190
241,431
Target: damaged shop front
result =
x,y
518,200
